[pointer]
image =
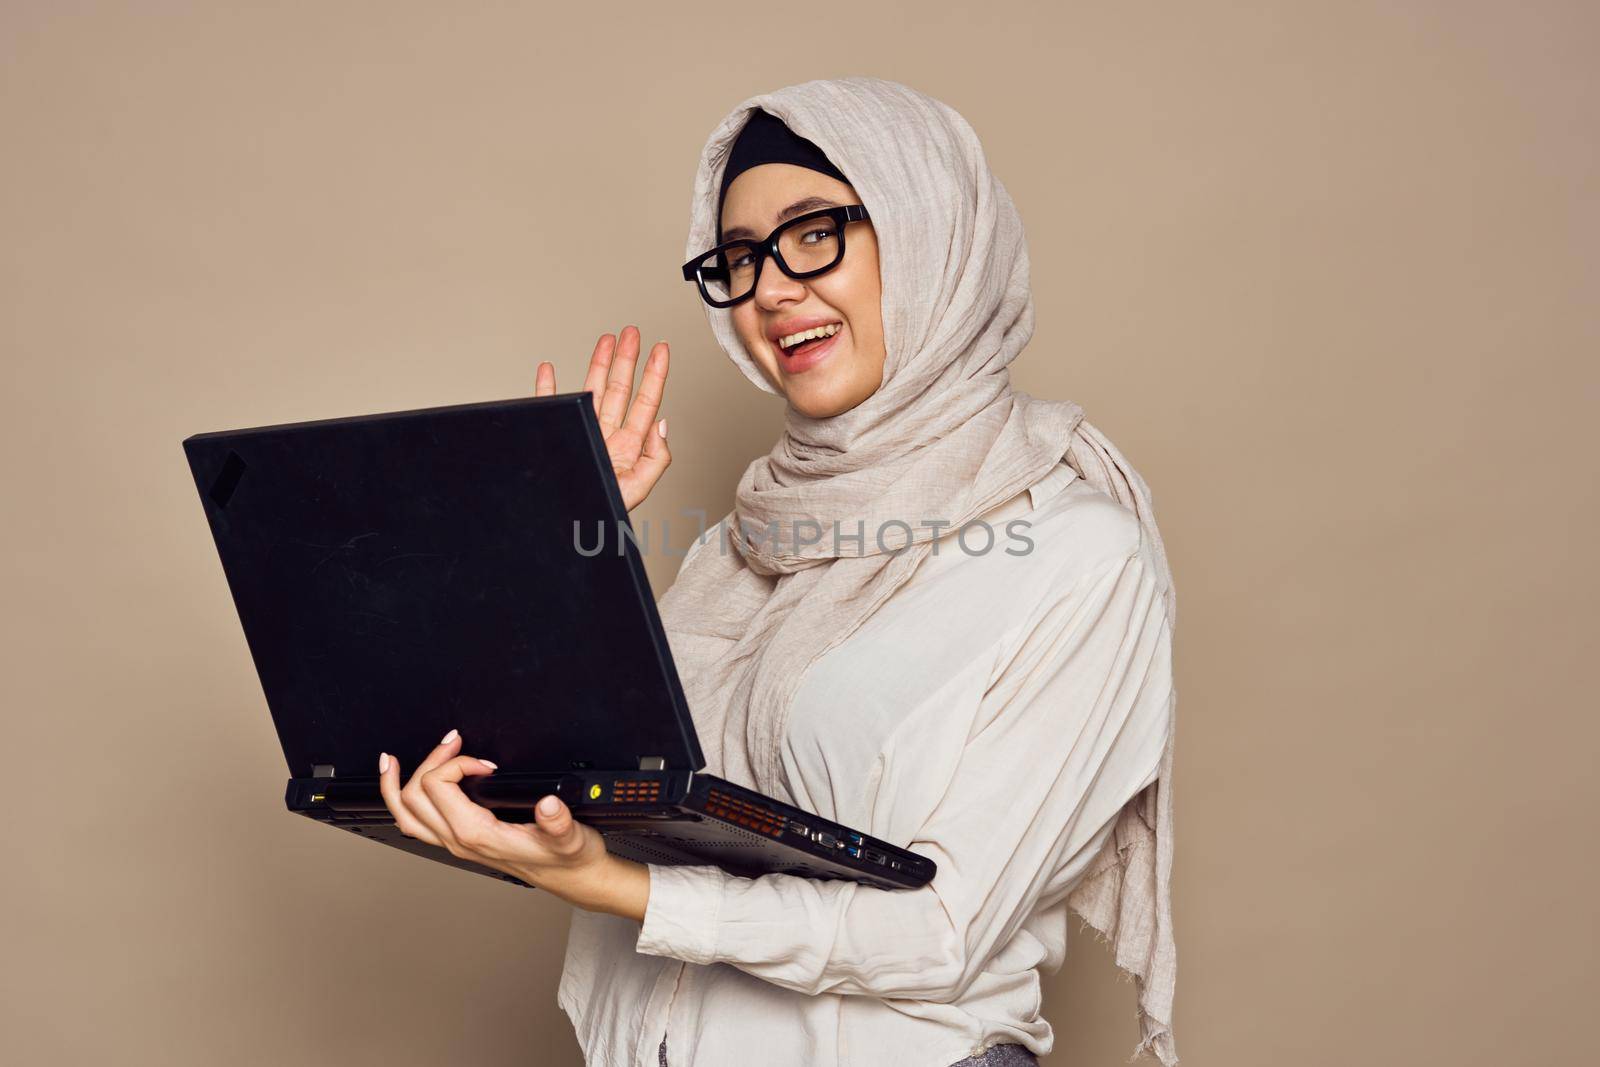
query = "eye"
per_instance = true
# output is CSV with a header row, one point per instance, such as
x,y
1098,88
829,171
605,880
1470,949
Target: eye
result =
x,y
823,231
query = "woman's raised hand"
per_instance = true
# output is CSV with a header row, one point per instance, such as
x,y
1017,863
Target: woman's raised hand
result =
x,y
636,440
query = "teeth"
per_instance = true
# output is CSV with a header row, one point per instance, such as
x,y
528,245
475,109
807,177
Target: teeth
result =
x,y
806,335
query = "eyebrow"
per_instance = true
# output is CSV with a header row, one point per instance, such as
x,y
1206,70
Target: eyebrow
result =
x,y
799,207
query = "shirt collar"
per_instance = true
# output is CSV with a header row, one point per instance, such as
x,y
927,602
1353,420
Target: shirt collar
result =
x,y
1059,477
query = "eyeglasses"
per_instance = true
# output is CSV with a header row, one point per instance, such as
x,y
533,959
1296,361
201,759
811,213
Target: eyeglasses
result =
x,y
804,247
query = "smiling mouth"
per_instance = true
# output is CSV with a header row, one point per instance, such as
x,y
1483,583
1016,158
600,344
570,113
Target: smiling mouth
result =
x,y
797,343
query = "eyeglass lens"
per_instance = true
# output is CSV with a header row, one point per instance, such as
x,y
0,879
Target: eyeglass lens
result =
x,y
805,245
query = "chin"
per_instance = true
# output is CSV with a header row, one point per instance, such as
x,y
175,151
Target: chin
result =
x,y
830,388
814,410
821,400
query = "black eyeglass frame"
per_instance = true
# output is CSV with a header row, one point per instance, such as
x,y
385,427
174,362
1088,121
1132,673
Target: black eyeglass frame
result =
x,y
693,270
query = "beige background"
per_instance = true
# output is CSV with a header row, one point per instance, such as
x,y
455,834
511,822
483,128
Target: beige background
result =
x,y
1326,273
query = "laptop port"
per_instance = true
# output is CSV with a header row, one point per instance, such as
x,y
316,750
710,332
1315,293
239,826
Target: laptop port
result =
x,y
825,839
875,856
799,828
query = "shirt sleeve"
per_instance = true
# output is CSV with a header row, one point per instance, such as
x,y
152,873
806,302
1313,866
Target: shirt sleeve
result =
x,y
1071,727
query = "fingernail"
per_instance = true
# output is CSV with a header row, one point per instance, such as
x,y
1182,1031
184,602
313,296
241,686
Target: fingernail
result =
x,y
383,763
491,764
548,806
661,428
449,737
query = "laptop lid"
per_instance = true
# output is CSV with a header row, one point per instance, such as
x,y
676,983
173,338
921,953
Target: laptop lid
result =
x,y
401,573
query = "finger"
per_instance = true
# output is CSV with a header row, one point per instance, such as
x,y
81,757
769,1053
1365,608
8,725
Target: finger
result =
x,y
554,820
594,383
404,819
419,802
619,381
652,385
448,746
544,379
637,481
470,827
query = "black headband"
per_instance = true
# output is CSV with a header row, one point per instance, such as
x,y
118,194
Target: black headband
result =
x,y
766,139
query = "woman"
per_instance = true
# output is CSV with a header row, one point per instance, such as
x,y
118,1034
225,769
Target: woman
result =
x,y
851,640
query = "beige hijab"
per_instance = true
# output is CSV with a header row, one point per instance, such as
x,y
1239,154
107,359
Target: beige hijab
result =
x,y
945,436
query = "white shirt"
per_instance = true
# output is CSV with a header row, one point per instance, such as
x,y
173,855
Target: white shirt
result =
x,y
994,714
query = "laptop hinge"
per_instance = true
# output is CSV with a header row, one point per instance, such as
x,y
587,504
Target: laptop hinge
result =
x,y
652,763
322,770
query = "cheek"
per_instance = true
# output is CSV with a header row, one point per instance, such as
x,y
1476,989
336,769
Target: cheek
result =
x,y
742,322
747,325
748,329
858,297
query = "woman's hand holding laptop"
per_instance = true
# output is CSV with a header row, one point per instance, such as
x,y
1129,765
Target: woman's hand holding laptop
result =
x,y
636,440
555,852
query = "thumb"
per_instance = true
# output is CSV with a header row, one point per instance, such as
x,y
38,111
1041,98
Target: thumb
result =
x,y
655,457
554,818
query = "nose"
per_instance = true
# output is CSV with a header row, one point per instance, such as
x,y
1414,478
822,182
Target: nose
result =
x,y
773,286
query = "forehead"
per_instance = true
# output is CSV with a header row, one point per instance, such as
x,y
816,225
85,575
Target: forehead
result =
x,y
760,198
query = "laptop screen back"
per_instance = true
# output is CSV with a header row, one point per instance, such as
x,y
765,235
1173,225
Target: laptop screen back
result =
x,y
400,574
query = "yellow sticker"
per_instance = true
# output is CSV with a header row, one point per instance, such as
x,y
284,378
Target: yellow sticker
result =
x,y
594,792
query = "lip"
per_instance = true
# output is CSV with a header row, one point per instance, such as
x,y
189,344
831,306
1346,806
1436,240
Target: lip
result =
x,y
791,365
788,326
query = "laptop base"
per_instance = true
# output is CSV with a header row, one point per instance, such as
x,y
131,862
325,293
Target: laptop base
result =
x,y
671,818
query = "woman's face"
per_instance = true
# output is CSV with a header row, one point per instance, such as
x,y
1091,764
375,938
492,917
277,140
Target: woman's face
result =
x,y
845,369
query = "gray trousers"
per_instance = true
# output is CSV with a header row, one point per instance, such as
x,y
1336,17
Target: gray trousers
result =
x,y
997,1056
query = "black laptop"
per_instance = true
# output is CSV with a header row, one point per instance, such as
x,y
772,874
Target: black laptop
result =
x,y
473,566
